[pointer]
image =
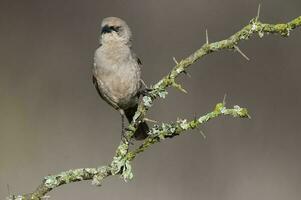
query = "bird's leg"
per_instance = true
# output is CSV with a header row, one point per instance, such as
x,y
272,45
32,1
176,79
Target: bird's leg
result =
x,y
123,136
123,129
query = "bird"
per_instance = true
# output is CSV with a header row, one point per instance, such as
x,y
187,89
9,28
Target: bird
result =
x,y
117,73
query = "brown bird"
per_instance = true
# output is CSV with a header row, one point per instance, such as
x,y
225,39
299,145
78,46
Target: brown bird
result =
x,y
116,71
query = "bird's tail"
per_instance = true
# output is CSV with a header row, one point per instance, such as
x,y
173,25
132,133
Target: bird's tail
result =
x,y
142,130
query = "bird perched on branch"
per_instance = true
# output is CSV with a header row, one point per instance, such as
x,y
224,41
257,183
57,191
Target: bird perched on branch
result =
x,y
116,71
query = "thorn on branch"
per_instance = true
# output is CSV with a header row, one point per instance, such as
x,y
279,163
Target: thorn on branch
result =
x,y
241,53
203,134
179,87
258,12
224,99
150,120
175,60
8,189
207,38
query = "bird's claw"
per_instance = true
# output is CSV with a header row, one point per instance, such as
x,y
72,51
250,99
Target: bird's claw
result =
x,y
144,92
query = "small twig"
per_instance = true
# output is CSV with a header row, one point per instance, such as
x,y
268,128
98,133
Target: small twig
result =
x,y
171,130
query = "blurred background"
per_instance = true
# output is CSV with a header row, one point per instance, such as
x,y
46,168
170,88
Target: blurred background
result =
x,y
52,119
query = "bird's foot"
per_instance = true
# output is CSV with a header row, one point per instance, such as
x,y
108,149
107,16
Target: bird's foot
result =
x,y
144,92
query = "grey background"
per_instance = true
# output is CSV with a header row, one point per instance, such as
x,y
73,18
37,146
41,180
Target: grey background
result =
x,y
51,118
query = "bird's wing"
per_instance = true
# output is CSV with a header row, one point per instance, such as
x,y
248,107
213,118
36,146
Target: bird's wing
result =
x,y
102,94
142,83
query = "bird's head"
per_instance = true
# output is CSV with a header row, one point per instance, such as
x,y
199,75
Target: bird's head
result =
x,y
114,29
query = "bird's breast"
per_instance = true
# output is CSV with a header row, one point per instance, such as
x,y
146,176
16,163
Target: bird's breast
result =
x,y
119,76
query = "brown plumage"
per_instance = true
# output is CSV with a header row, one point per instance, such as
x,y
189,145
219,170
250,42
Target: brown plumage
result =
x,y
116,71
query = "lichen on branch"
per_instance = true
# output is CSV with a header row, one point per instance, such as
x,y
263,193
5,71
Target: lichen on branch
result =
x,y
181,126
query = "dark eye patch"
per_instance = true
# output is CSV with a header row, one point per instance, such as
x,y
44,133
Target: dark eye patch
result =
x,y
109,29
115,28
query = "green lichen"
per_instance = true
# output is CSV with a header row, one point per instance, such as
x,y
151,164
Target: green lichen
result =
x,y
163,94
184,124
51,182
147,101
100,174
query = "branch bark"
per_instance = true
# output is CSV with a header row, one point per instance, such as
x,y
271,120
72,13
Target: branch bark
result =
x,y
121,163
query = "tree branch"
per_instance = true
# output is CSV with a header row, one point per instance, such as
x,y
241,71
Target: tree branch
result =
x,y
159,133
120,164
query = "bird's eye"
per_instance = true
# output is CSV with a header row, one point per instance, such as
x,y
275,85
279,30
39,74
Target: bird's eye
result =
x,y
115,28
